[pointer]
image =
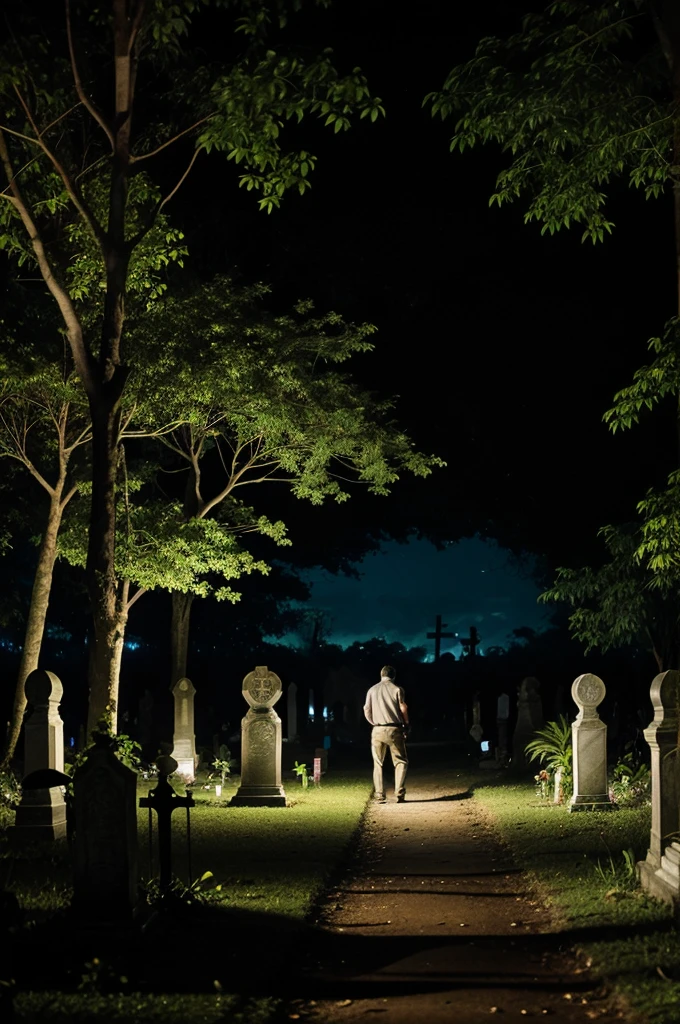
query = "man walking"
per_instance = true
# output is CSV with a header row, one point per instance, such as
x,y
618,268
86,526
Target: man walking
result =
x,y
386,710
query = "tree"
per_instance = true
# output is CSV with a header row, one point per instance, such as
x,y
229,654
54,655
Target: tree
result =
x,y
585,94
71,90
260,401
616,604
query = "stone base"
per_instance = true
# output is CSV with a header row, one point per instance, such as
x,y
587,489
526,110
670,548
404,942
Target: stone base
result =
x,y
40,817
259,796
592,802
662,882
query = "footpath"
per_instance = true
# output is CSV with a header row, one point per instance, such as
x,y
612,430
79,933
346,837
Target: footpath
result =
x,y
435,924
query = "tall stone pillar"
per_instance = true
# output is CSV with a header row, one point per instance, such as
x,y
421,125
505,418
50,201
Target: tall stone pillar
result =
x,y
589,741
42,812
660,872
184,739
261,743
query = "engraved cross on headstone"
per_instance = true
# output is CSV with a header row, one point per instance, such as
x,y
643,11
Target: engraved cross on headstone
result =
x,y
438,636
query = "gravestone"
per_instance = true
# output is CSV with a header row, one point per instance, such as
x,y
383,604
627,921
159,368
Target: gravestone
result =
x,y
476,730
260,743
42,811
529,719
184,739
502,716
659,872
589,744
105,842
291,699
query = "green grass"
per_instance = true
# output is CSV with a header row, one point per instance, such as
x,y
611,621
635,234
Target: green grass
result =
x,y
576,862
272,860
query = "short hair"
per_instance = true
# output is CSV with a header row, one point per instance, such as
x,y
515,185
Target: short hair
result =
x,y
388,671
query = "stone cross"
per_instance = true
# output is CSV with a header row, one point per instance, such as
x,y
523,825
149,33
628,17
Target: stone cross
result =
x,y
42,811
470,643
184,740
438,636
292,712
261,743
105,844
529,719
589,743
659,872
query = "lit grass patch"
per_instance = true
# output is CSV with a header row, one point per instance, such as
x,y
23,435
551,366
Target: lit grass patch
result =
x,y
580,863
273,859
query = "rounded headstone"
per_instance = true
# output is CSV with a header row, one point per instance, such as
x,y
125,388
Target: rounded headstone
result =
x,y
184,688
261,688
588,690
41,687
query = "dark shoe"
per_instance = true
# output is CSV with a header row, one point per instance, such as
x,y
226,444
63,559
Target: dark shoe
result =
x,y
400,799
380,799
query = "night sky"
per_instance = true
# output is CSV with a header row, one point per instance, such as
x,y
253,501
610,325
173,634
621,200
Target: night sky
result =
x,y
505,347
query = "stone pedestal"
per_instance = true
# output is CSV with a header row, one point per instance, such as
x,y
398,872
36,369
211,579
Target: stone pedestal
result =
x,y
42,812
184,739
589,741
105,844
261,743
659,872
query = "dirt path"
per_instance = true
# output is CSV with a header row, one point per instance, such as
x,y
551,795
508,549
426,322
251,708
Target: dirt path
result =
x,y
439,926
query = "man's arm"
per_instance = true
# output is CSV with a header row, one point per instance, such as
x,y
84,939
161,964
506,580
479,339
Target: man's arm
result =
x,y
368,709
403,707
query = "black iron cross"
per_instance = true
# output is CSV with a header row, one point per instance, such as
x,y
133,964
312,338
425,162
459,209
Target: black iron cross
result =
x,y
470,643
437,636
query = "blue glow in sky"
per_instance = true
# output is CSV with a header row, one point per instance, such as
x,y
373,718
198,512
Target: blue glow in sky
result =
x,y
404,586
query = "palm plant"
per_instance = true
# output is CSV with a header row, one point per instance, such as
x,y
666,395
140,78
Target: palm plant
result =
x,y
551,747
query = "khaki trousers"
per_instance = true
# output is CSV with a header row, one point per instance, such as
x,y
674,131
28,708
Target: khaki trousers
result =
x,y
384,738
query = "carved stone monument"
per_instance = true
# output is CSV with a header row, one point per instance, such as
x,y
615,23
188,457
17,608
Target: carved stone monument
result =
x,y
589,743
261,743
659,873
292,712
105,844
529,719
184,739
42,811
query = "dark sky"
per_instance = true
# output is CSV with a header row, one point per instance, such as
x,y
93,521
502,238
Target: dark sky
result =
x,y
505,347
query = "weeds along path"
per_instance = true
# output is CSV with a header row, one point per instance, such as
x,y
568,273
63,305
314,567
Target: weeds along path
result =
x,y
437,925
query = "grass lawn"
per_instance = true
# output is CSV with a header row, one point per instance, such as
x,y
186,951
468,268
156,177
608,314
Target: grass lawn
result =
x,y
271,860
579,863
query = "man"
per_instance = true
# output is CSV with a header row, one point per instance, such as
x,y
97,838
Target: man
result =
x,y
386,710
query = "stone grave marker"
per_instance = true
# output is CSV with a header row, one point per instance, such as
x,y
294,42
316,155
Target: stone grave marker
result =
x,y
42,811
659,871
105,843
184,739
589,743
529,719
260,743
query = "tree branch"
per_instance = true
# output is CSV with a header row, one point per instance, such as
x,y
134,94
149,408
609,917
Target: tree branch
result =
x,y
89,106
81,355
134,159
76,198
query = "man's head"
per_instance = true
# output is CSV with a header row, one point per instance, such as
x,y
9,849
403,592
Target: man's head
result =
x,y
387,672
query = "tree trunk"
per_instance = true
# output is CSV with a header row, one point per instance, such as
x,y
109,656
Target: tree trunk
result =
x,y
37,614
109,612
179,635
